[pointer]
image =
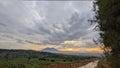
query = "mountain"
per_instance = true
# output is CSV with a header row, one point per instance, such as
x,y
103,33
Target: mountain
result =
x,y
51,50
84,54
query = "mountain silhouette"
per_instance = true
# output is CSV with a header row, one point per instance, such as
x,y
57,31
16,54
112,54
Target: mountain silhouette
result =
x,y
51,50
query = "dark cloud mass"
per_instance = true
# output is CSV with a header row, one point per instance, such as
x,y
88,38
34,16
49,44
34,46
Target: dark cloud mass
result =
x,y
46,23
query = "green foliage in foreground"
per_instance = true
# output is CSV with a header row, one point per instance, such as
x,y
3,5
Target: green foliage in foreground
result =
x,y
108,18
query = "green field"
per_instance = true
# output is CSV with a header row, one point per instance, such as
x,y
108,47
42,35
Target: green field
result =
x,y
34,59
32,63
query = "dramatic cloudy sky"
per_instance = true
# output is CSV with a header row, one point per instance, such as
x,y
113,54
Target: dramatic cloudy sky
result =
x,y
40,24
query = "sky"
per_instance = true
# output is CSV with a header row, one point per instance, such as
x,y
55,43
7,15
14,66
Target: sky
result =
x,y
37,25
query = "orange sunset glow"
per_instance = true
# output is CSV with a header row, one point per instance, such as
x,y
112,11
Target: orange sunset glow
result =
x,y
95,49
70,49
82,49
92,49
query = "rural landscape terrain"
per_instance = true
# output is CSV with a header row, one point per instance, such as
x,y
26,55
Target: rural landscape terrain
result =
x,y
59,33
37,59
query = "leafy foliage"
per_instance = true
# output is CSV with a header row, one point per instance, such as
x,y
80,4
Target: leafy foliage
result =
x,y
108,18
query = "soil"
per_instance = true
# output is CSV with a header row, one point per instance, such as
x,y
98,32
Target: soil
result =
x,y
70,65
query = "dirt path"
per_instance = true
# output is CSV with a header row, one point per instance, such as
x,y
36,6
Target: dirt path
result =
x,y
70,65
90,65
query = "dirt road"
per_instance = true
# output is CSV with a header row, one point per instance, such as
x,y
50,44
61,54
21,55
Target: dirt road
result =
x,y
70,65
90,65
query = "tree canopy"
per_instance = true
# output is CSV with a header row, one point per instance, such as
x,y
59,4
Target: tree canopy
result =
x,y
108,19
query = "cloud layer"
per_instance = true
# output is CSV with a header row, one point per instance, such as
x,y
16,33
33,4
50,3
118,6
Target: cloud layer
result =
x,y
55,23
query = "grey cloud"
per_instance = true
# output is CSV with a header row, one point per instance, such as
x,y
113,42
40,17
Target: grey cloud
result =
x,y
78,27
46,22
20,41
35,43
8,36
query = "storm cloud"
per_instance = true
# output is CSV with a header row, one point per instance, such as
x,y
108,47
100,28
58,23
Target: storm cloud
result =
x,y
46,23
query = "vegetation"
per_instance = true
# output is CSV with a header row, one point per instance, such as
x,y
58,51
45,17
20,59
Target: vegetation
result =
x,y
108,19
34,59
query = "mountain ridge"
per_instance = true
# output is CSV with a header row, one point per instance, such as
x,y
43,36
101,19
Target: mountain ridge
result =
x,y
51,50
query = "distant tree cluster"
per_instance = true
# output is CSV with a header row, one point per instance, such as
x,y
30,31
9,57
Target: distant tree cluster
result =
x,y
108,19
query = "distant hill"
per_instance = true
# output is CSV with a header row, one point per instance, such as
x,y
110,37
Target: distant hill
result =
x,y
38,54
47,52
84,54
51,50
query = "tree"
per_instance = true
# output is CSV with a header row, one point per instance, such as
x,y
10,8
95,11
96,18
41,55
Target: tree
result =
x,y
108,19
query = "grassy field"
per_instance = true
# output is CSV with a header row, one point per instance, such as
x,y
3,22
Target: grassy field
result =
x,y
32,63
35,59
